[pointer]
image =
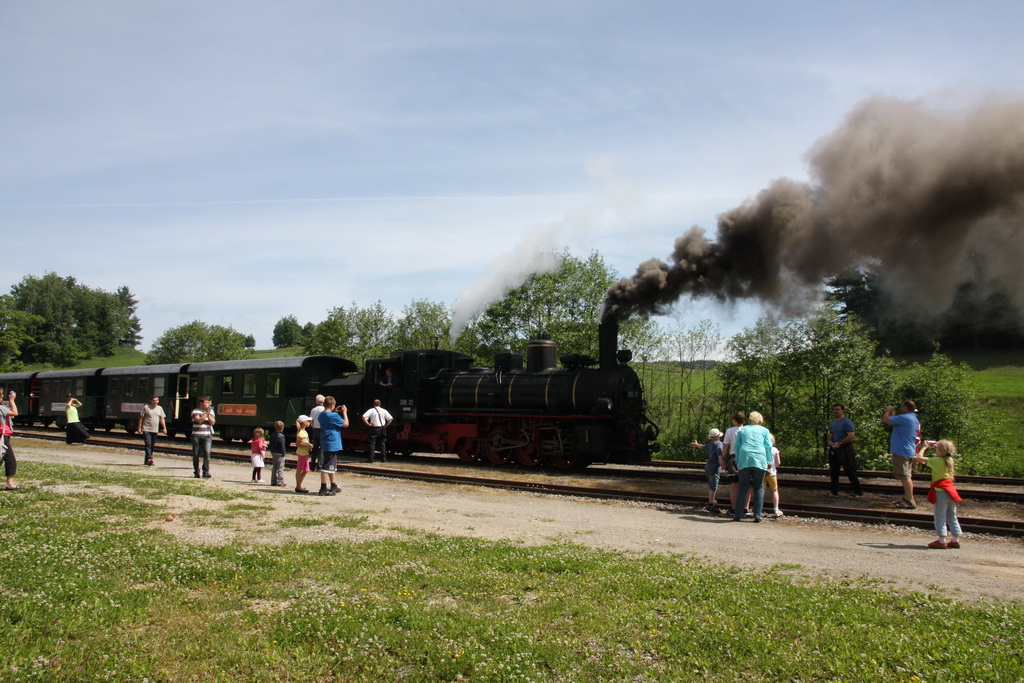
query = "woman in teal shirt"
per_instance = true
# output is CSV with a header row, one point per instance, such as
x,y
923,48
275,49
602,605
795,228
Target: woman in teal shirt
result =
x,y
753,453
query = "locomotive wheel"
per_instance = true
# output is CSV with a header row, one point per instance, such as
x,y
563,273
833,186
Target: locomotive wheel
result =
x,y
529,455
465,452
499,446
565,456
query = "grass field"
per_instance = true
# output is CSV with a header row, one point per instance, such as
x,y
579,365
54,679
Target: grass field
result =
x,y
95,589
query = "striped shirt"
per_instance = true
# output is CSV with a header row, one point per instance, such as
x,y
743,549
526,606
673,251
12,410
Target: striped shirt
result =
x,y
202,428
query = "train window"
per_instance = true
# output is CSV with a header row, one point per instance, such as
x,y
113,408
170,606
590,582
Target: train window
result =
x,y
144,387
67,389
159,386
248,385
227,385
128,387
207,386
115,387
273,384
46,387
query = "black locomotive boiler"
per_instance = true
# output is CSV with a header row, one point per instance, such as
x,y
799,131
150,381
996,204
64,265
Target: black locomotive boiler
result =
x,y
533,413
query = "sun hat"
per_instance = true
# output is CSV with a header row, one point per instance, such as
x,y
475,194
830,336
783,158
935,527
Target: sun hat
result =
x,y
714,434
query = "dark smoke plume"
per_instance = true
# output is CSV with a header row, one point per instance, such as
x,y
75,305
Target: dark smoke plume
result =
x,y
916,196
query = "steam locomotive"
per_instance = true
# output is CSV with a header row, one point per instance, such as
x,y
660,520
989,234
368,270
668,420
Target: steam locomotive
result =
x,y
533,413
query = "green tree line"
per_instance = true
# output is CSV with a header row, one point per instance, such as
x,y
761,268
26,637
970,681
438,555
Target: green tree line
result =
x,y
59,321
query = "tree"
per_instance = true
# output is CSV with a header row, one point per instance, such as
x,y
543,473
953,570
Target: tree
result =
x,y
74,321
424,324
250,341
196,342
356,333
793,372
287,332
129,325
565,303
691,406
14,334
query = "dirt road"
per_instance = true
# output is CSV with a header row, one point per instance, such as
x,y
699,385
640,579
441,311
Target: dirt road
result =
x,y
984,567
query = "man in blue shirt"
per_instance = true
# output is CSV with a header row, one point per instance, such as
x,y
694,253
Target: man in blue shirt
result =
x,y
902,448
841,453
331,424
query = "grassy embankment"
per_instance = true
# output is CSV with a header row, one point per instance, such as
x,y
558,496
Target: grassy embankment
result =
x,y
95,588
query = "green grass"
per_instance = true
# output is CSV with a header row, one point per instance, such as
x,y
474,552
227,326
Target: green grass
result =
x,y
93,589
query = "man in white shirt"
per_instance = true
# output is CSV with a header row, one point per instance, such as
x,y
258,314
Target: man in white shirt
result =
x,y
152,421
314,434
378,420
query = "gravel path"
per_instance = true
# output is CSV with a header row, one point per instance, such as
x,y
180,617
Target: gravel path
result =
x,y
985,567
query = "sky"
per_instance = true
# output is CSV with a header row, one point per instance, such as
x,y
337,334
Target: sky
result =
x,y
236,162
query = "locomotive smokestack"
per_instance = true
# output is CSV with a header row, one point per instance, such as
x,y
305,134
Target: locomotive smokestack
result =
x,y
608,344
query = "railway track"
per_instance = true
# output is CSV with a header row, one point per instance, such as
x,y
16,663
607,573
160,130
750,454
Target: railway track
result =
x,y
917,519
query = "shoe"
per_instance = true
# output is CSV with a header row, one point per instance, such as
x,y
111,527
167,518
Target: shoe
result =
x,y
207,475
149,463
332,492
15,488
857,495
780,513
939,545
829,494
737,519
905,504
259,481
195,476
955,545
757,520
748,513
298,490
323,492
370,460
335,488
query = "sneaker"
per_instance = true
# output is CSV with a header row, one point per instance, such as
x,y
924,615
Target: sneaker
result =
x,y
779,513
748,513
323,492
953,544
829,494
195,476
757,520
737,519
335,488
857,495
207,475
259,481
149,463
939,545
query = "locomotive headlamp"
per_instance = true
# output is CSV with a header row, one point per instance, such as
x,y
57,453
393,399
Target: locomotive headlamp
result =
x,y
605,403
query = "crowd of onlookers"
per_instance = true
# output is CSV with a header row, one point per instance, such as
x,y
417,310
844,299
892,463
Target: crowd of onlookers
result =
x,y
746,459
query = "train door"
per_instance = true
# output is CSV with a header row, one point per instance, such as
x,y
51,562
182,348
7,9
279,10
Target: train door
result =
x,y
181,398
34,395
